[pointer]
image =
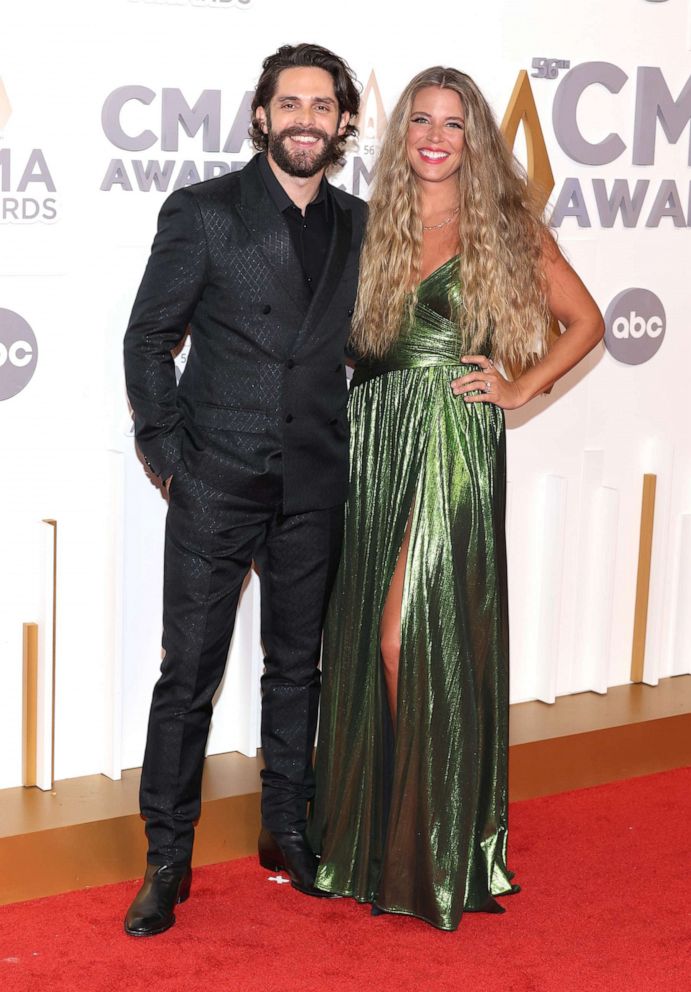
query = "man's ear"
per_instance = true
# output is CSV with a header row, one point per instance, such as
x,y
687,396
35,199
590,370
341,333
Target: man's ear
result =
x,y
343,122
260,114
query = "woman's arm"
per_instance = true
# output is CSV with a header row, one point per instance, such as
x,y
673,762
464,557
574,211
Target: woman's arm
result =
x,y
574,307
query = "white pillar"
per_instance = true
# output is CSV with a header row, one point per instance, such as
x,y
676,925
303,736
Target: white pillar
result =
x,y
46,657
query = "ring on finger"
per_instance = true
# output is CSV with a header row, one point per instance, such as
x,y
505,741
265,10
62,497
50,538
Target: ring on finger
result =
x,y
488,385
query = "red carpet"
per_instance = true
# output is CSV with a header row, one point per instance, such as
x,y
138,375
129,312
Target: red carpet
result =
x,y
606,905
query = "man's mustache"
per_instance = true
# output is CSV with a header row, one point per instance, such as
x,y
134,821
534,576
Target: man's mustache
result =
x,y
294,131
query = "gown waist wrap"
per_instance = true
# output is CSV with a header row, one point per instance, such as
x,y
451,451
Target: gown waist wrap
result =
x,y
429,340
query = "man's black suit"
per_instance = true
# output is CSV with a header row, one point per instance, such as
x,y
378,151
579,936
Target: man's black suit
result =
x,y
255,437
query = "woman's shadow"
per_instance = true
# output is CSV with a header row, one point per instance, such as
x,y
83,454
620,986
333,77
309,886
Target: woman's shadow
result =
x,y
524,414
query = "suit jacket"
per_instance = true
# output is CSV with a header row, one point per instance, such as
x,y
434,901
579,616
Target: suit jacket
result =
x,y
260,410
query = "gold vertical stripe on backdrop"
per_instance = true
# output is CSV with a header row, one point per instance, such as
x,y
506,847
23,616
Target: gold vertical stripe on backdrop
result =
x,y
521,109
53,640
29,703
645,552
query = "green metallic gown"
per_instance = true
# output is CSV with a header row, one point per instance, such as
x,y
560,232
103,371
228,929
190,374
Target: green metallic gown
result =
x,y
419,825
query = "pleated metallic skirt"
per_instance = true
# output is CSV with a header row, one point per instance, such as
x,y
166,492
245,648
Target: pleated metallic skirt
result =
x,y
418,825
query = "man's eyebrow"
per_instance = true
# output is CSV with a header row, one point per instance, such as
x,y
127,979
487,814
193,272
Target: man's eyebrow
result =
x,y
315,99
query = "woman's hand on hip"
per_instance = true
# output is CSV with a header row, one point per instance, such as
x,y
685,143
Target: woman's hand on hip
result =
x,y
492,385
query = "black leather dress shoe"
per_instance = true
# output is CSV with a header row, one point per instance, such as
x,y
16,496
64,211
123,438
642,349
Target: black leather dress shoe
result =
x,y
289,851
163,888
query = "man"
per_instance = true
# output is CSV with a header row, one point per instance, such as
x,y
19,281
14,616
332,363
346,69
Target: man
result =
x,y
252,447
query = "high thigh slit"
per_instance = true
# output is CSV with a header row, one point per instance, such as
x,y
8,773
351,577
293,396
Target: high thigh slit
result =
x,y
396,621
418,824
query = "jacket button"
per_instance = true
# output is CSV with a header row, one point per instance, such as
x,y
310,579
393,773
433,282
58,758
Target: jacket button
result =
x,y
350,311
266,309
289,418
290,364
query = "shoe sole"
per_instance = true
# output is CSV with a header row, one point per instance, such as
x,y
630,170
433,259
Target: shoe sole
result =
x,y
149,933
314,892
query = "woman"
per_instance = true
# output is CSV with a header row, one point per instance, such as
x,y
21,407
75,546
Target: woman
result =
x,y
458,273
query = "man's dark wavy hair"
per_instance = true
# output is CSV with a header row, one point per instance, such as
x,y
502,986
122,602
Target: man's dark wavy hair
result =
x,y
306,56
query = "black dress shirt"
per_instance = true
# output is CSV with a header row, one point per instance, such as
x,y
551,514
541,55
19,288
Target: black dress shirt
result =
x,y
311,233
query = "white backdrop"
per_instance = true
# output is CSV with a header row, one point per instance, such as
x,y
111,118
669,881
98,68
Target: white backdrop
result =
x,y
90,105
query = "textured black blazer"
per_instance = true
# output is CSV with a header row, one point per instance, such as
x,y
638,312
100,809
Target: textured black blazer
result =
x,y
260,409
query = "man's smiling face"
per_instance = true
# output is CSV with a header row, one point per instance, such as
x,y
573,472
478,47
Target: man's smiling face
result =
x,y
303,122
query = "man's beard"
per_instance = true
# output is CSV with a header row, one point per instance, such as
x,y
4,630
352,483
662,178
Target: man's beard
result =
x,y
303,163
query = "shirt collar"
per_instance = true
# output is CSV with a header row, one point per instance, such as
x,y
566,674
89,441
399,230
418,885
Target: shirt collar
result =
x,y
279,195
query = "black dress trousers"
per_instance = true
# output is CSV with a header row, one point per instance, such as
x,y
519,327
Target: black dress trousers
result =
x,y
211,539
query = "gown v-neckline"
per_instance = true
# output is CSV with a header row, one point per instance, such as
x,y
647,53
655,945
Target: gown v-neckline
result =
x,y
438,269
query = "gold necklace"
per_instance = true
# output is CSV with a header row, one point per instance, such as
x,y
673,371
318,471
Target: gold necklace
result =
x,y
435,227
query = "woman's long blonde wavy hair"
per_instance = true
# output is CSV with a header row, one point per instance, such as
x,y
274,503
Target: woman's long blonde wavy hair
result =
x,y
500,233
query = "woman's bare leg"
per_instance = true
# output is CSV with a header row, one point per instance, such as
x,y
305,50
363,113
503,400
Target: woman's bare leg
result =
x,y
390,627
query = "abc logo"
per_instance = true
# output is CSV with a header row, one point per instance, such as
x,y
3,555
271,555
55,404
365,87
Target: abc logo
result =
x,y
18,354
635,324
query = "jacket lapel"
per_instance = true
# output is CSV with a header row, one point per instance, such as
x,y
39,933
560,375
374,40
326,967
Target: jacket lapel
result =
x,y
339,247
270,232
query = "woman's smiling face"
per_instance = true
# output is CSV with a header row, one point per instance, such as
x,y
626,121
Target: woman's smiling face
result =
x,y
436,134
